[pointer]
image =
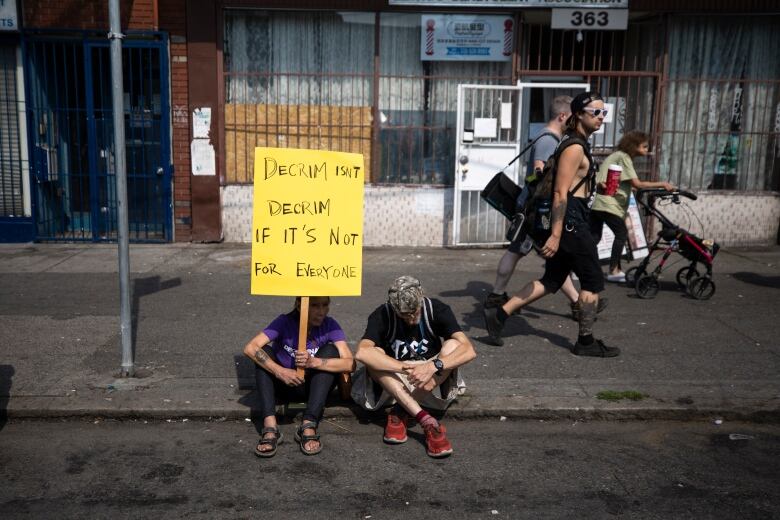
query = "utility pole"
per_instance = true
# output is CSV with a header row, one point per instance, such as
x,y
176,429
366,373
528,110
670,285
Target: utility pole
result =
x,y
117,86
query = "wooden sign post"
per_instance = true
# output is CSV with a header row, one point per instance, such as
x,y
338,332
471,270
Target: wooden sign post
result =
x,y
307,226
303,330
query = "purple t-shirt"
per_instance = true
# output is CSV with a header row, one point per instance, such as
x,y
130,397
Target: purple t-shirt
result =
x,y
283,332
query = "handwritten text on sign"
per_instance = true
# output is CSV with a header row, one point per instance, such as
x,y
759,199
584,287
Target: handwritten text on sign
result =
x,y
307,227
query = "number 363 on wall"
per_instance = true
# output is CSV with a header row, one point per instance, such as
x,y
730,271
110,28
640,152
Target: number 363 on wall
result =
x,y
593,19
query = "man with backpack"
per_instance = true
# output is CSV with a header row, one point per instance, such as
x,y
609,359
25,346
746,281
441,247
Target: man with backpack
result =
x,y
542,149
567,244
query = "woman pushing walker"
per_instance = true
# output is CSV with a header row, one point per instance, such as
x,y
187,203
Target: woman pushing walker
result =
x,y
611,204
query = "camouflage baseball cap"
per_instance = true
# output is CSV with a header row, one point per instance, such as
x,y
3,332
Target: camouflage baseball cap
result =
x,y
405,295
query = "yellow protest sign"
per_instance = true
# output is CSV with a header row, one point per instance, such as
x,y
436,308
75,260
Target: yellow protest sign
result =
x,y
307,223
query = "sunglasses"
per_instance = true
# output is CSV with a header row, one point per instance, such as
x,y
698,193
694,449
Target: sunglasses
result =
x,y
596,112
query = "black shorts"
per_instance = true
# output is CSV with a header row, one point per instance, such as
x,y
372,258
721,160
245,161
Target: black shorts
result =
x,y
577,253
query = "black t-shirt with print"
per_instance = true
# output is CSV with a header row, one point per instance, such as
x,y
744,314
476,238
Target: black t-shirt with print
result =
x,y
409,342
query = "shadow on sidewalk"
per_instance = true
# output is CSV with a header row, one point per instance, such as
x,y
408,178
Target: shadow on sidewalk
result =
x,y
6,376
144,287
474,319
477,290
758,279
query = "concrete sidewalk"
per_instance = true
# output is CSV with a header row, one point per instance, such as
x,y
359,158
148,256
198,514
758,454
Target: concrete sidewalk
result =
x,y
59,336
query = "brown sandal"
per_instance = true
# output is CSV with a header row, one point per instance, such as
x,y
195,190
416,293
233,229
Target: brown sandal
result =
x,y
273,442
303,439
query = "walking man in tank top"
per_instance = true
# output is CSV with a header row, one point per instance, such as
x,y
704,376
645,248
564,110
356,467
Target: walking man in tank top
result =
x,y
570,247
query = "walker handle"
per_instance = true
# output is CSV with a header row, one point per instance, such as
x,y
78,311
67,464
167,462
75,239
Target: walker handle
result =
x,y
688,194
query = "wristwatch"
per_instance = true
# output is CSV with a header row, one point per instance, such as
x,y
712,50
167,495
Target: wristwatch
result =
x,y
439,366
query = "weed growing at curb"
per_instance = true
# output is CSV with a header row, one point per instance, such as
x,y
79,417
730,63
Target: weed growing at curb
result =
x,y
614,395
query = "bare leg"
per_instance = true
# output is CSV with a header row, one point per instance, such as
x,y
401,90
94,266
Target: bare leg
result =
x,y
506,266
394,386
569,290
528,294
447,348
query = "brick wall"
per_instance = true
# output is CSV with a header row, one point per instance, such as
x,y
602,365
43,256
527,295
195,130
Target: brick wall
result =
x,y
78,14
173,21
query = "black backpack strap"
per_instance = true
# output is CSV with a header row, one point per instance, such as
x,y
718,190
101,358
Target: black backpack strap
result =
x,y
427,315
391,325
528,147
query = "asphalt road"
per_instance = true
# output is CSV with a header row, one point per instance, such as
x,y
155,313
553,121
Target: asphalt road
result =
x,y
500,469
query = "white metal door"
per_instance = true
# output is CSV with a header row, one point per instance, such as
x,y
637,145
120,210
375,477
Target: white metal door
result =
x,y
491,127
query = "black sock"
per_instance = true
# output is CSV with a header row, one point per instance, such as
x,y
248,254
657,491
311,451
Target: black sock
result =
x,y
501,314
585,340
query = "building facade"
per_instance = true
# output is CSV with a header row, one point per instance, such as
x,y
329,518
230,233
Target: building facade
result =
x,y
206,82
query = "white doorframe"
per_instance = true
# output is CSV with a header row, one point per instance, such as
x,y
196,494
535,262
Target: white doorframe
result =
x,y
487,157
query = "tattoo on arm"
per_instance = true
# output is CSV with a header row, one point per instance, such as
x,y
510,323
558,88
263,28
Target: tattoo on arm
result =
x,y
261,357
558,211
324,362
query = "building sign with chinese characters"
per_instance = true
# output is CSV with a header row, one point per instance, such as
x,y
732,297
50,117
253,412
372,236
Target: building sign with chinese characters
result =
x,y
447,37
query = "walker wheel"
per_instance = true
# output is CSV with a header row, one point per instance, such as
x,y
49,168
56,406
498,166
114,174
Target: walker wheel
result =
x,y
701,288
647,286
631,275
685,275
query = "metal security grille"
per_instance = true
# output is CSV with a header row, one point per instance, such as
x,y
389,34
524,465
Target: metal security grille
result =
x,y
312,80
546,49
481,157
724,134
11,167
417,124
71,124
624,66
296,80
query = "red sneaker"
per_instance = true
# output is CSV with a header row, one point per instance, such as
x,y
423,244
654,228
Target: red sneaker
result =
x,y
395,430
436,442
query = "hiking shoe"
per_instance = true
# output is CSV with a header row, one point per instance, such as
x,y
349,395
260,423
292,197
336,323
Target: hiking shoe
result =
x,y
496,300
395,429
575,308
493,325
595,349
436,443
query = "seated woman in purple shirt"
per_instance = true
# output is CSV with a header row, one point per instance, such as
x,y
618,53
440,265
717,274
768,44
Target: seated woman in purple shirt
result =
x,y
275,352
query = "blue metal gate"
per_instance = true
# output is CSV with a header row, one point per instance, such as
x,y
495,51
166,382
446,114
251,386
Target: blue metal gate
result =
x,y
70,126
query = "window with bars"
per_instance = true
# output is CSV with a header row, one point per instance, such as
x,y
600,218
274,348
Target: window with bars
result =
x,y
722,103
296,80
308,79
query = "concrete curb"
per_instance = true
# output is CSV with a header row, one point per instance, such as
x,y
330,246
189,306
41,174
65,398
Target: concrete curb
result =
x,y
539,411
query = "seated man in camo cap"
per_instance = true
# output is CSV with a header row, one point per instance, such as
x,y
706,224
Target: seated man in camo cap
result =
x,y
412,348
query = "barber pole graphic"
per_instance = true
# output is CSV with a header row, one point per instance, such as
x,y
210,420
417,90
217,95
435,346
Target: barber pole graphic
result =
x,y
508,37
429,37
445,37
